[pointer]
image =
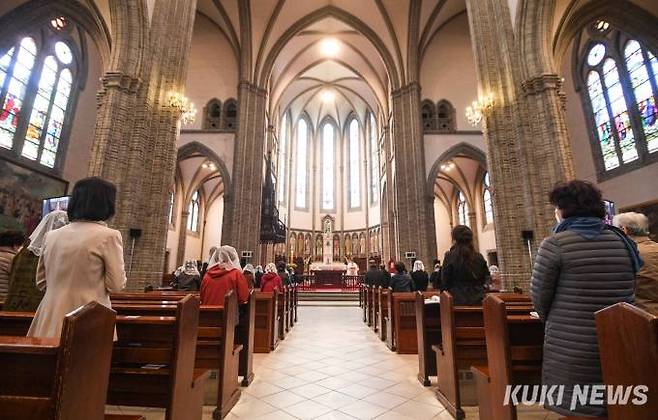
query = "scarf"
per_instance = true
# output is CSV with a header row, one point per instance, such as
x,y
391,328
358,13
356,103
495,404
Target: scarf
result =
x,y
591,227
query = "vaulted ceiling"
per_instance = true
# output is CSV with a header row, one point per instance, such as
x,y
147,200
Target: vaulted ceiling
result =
x,y
376,48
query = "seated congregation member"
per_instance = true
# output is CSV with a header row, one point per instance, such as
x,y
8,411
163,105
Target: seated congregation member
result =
x,y
224,274
464,273
374,276
583,267
400,281
248,273
386,279
419,277
281,271
258,275
23,292
12,237
204,266
636,225
496,283
271,280
435,277
82,261
188,277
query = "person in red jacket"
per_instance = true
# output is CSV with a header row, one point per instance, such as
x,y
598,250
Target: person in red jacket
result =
x,y
224,274
271,280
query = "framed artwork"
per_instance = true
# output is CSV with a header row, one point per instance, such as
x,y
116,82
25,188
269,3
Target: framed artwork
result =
x,y
22,191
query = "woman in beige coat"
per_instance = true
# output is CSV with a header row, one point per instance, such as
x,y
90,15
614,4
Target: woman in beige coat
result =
x,y
81,262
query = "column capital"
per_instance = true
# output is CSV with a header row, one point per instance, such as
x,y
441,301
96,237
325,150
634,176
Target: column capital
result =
x,y
121,81
542,82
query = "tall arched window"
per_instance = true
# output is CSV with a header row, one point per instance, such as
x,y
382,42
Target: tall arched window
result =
x,y
37,77
230,117
354,164
283,158
328,166
619,74
486,199
301,186
462,209
193,212
374,160
428,115
213,114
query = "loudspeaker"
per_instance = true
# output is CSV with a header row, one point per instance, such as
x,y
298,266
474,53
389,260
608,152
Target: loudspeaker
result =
x,y
527,235
135,233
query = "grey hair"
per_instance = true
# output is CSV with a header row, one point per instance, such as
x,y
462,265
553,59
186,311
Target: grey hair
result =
x,y
636,223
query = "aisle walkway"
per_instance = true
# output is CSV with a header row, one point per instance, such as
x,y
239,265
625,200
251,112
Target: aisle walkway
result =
x,y
331,366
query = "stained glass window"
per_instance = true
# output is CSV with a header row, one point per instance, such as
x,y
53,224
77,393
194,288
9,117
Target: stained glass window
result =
x,y
301,163
354,164
621,93
193,213
35,93
462,209
328,165
486,199
374,161
283,158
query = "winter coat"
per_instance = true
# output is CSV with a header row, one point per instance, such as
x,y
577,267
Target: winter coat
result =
x,y
466,285
401,282
572,278
420,279
646,282
218,281
270,282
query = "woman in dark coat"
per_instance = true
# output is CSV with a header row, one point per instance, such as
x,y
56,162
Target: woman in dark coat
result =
x,y
400,281
419,277
583,267
465,273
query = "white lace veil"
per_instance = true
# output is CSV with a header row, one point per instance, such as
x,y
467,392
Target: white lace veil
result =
x,y
226,257
419,266
53,220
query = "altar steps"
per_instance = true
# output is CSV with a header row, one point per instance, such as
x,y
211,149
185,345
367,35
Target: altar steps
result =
x,y
339,298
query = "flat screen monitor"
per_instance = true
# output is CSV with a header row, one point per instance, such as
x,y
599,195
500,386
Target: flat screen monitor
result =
x,y
55,203
609,211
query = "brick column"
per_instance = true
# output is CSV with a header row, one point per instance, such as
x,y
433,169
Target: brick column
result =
x,y
414,217
242,218
182,238
137,131
497,63
388,236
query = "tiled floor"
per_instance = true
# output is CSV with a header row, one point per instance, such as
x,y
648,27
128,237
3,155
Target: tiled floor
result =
x,y
331,366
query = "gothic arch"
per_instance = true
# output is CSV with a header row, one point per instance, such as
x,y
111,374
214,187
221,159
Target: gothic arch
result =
x,y
339,14
188,150
461,149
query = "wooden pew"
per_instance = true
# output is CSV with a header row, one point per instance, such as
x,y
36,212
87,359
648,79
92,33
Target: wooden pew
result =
x,y
514,355
401,323
153,363
389,321
245,336
15,323
296,300
59,378
375,309
266,323
281,314
216,346
369,304
382,311
628,346
365,302
361,295
428,333
289,309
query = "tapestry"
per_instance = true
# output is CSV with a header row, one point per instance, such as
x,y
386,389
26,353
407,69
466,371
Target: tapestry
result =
x,y
22,191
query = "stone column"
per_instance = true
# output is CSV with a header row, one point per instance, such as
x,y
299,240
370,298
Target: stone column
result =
x,y
387,214
414,218
241,227
137,131
498,68
548,141
182,238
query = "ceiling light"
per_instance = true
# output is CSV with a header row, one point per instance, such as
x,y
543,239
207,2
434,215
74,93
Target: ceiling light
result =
x,y
329,47
327,96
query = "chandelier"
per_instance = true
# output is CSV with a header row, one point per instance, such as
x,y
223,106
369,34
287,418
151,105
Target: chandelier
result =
x,y
183,106
476,111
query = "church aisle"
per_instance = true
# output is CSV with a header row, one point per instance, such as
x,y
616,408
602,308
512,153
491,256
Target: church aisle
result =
x,y
331,366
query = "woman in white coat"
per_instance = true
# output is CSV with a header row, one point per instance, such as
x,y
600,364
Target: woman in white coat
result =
x,y
81,262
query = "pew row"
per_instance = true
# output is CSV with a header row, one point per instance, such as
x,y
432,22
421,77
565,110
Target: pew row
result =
x,y
59,378
400,321
382,312
514,345
624,330
216,346
266,322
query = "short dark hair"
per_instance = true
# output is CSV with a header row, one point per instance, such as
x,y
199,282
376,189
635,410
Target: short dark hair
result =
x,y
12,238
92,199
400,267
578,199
